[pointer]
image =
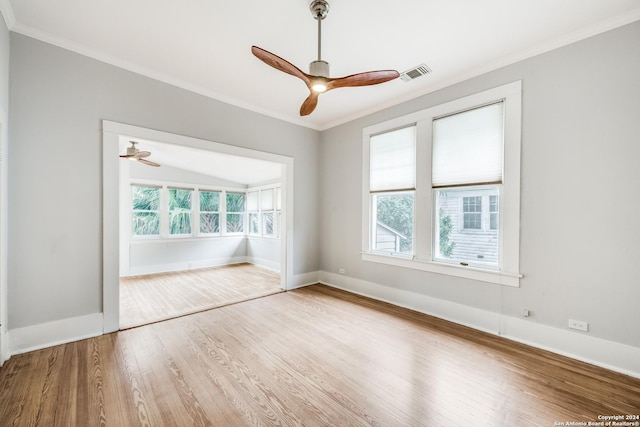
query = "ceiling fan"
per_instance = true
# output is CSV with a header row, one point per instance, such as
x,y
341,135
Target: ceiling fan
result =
x,y
134,154
318,80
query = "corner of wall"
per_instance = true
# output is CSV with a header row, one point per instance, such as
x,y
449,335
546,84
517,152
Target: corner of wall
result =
x,y
304,279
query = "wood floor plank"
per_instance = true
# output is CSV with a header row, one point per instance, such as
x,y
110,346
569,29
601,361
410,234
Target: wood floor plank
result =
x,y
156,297
315,356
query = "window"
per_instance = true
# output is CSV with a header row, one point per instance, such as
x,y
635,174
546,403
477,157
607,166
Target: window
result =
x,y
253,212
145,210
179,211
165,211
235,212
441,188
209,212
267,210
264,211
472,211
464,226
391,190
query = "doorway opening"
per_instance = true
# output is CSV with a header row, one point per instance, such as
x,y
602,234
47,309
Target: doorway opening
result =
x,y
220,212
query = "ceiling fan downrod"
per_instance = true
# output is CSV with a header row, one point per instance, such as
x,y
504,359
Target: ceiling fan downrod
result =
x,y
319,10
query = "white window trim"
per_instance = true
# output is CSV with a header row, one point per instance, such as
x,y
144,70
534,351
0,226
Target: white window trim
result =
x,y
509,208
164,235
275,211
197,191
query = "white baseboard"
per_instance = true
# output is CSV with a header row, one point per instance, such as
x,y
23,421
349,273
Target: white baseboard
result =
x,y
304,279
271,265
36,337
4,346
597,351
182,266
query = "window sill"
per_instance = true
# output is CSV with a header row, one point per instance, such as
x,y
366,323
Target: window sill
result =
x,y
497,277
157,239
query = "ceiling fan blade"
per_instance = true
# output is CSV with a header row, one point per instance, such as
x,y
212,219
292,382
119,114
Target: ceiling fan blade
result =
x,y
280,64
309,104
148,162
363,79
141,154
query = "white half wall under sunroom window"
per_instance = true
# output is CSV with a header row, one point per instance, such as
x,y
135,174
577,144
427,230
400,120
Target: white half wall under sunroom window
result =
x,y
116,174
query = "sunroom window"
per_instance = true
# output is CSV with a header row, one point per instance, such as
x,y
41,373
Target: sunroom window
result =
x,y
145,210
235,212
209,212
179,211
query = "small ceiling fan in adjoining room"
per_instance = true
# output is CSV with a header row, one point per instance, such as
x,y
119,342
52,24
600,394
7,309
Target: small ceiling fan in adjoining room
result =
x,y
318,80
134,154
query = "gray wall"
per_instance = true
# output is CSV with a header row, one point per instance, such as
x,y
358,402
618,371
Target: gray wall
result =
x,y
4,66
580,231
58,99
4,106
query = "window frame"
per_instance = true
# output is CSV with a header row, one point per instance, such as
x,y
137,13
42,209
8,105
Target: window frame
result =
x,y
132,212
274,193
467,214
198,220
164,228
242,214
170,212
508,272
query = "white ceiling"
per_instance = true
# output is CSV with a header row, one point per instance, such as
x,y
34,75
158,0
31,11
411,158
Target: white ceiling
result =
x,y
204,46
237,169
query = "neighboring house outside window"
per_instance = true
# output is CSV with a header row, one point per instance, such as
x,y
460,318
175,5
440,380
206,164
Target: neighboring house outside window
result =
x,y
472,211
494,212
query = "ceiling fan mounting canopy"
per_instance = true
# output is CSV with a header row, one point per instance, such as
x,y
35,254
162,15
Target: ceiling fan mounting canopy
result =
x,y
318,80
319,9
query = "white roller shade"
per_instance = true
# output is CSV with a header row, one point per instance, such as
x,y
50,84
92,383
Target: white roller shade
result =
x,y
393,160
252,201
467,147
266,200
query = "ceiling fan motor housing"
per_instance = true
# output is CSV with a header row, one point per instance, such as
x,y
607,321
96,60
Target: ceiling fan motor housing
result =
x,y
319,68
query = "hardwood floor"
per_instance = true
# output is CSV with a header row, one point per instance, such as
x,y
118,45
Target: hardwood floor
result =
x,y
155,297
311,357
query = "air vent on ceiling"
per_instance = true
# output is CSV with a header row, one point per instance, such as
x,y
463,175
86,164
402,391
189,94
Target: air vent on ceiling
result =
x,y
415,72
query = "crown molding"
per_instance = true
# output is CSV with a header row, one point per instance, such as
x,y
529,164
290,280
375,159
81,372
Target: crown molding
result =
x,y
7,14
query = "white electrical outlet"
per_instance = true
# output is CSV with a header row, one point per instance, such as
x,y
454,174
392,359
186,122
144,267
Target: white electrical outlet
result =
x,y
342,271
579,325
525,312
